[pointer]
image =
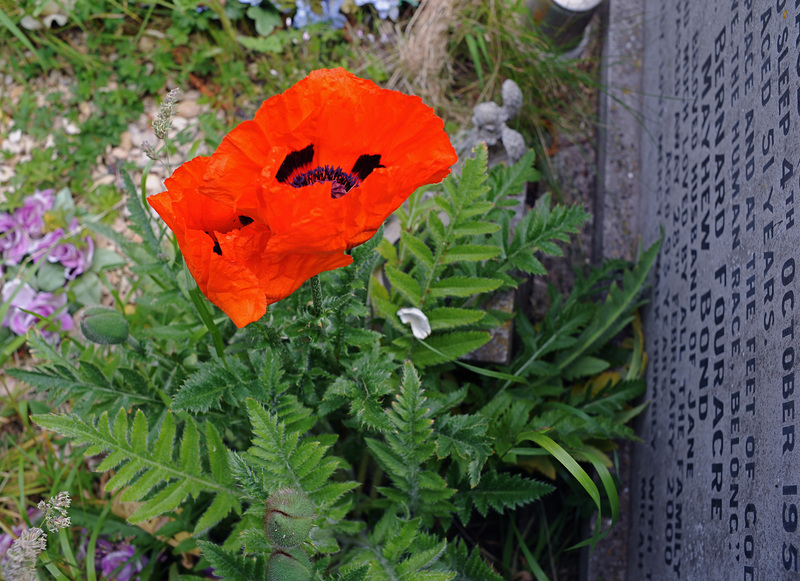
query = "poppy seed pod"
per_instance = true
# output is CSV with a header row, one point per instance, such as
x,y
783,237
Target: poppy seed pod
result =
x,y
289,565
289,517
104,325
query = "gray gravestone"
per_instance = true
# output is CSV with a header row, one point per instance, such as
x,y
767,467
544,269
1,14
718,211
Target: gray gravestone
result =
x,y
716,484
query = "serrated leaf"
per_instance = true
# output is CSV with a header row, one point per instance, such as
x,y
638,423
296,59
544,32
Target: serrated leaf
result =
x,y
418,248
436,227
450,317
442,203
527,262
451,346
140,221
585,366
476,228
462,286
501,491
469,253
233,567
388,251
469,566
154,465
405,284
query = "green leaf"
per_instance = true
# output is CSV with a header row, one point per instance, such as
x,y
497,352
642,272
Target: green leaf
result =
x,y
476,228
418,248
575,469
462,286
388,251
286,459
450,345
139,466
450,317
50,277
233,567
264,44
509,181
616,311
140,222
265,19
357,574
405,284
470,566
585,366
405,449
469,253
501,491
436,227
105,258
463,436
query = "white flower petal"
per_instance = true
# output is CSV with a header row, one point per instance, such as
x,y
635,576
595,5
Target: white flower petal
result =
x,y
30,23
418,321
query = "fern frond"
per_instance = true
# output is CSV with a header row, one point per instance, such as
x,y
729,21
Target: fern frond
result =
x,y
286,458
150,471
233,567
463,437
469,566
86,385
406,449
398,551
500,491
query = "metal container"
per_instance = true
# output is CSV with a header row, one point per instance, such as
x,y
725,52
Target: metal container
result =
x,y
563,21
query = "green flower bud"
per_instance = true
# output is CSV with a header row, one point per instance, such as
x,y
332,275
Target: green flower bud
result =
x,y
289,517
104,325
289,565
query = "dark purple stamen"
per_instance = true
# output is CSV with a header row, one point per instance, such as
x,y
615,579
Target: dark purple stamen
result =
x,y
341,181
245,220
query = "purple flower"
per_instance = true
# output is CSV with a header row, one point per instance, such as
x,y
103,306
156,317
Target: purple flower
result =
x,y
75,260
30,216
14,241
115,560
330,13
120,558
44,246
385,8
43,304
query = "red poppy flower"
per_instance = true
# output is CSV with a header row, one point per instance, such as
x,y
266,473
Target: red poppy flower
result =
x,y
285,195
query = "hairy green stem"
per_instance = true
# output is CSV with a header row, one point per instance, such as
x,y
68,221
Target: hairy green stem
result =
x,y
316,295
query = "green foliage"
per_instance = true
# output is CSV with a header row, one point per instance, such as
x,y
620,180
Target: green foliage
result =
x,y
284,458
407,446
500,491
459,245
398,549
389,437
146,464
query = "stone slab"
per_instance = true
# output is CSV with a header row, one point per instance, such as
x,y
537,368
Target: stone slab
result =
x,y
716,483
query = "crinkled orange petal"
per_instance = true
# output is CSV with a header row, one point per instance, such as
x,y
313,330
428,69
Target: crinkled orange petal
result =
x,y
343,117
245,273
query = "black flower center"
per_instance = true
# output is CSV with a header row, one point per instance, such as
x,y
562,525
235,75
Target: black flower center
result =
x,y
296,171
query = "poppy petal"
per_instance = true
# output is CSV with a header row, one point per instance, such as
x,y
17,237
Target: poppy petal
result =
x,y
342,119
315,173
229,255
